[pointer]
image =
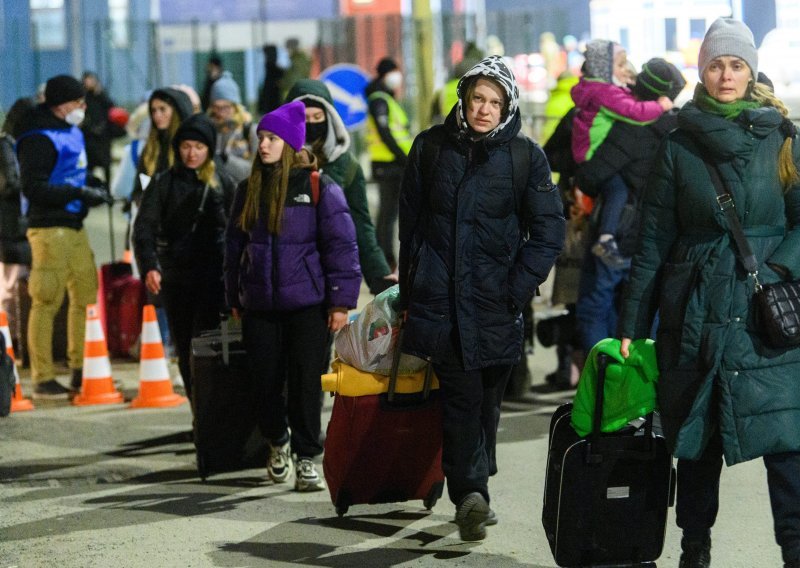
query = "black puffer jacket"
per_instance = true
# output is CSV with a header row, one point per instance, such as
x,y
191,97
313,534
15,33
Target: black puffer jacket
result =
x,y
14,247
629,150
162,235
463,260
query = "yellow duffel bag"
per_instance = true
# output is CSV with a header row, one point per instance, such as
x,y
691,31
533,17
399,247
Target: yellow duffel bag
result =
x,y
349,381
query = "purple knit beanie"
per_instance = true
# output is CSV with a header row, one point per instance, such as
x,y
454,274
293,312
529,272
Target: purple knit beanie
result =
x,y
287,121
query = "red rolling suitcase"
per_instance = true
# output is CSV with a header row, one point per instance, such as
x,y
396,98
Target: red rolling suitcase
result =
x,y
124,297
385,448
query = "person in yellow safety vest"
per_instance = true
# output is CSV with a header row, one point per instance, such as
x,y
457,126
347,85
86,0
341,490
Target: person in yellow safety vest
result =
x,y
445,99
389,141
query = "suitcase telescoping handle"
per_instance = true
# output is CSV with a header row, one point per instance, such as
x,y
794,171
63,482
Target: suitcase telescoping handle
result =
x,y
226,347
593,454
426,388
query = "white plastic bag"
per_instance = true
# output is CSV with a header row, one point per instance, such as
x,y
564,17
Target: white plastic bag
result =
x,y
368,342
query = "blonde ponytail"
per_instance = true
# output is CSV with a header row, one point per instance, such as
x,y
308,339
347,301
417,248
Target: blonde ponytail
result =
x,y
787,169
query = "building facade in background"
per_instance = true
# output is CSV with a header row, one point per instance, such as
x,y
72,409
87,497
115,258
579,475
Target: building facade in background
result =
x,y
136,45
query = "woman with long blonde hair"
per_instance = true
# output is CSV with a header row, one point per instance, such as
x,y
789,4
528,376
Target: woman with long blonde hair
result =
x,y
291,274
168,107
723,389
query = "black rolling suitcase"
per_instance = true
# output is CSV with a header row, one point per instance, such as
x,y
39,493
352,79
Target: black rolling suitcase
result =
x,y
606,495
226,433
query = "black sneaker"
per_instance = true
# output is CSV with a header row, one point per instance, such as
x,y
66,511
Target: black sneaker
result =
x,y
471,516
608,253
695,554
77,379
50,390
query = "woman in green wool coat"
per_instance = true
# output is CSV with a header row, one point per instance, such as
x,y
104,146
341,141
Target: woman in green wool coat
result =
x,y
329,140
722,390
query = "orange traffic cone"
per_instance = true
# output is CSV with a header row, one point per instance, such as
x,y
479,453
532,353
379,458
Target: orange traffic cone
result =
x,y
18,402
155,386
97,386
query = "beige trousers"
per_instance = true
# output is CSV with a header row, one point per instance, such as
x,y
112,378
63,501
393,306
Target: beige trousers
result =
x,y
62,260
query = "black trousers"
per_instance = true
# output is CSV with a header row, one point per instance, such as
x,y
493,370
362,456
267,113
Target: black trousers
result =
x,y
471,413
698,496
191,309
288,349
389,177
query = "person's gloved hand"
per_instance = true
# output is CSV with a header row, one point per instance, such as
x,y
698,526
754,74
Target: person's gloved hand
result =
x,y
92,196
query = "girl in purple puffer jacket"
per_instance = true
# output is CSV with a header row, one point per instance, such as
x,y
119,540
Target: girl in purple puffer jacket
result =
x,y
291,273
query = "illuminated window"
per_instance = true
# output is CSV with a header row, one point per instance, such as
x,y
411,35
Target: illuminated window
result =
x,y
48,21
118,14
671,34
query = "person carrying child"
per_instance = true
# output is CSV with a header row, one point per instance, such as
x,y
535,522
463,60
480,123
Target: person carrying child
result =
x,y
291,273
602,97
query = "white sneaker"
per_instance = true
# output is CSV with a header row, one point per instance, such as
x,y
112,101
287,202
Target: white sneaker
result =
x,y
280,464
307,478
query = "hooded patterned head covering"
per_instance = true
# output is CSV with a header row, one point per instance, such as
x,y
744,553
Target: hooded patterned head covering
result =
x,y
600,59
494,68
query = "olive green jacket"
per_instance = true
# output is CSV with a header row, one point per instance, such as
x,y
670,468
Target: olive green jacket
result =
x,y
343,167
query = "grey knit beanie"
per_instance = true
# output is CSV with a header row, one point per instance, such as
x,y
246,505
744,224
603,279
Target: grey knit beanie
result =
x,y
727,36
225,88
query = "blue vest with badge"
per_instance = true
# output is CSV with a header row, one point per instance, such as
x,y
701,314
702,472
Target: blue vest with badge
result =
x,y
70,168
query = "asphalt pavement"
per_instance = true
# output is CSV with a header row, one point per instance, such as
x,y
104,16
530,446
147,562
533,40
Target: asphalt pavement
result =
x,y
108,485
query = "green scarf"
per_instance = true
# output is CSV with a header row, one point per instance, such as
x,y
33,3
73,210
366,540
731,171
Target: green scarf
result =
x,y
729,111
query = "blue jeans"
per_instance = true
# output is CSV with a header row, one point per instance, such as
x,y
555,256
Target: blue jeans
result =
x,y
615,195
597,309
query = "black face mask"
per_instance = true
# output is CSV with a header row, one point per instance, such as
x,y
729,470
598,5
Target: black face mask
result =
x,y
316,131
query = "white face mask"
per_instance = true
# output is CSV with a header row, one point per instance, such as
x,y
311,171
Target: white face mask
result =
x,y
75,116
393,80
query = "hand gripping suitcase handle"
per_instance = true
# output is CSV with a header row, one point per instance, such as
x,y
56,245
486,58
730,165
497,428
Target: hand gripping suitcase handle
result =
x,y
395,364
592,455
426,388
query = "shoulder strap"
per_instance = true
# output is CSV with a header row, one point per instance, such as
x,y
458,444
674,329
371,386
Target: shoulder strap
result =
x,y
520,170
200,209
430,152
728,207
315,187
246,130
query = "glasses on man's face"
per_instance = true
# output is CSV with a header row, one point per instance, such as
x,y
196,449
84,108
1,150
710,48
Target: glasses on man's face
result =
x,y
221,107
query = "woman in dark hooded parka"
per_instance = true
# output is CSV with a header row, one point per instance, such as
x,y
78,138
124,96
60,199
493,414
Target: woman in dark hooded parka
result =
x,y
471,256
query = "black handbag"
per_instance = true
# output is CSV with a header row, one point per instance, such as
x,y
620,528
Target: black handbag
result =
x,y
777,306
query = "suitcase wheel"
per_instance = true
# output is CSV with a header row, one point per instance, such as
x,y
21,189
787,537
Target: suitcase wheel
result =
x,y
341,510
433,495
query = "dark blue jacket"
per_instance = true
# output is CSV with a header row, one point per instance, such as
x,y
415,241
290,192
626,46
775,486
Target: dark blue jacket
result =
x,y
314,260
464,262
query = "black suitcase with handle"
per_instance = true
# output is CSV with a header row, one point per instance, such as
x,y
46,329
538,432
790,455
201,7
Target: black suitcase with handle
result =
x,y
606,495
226,433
